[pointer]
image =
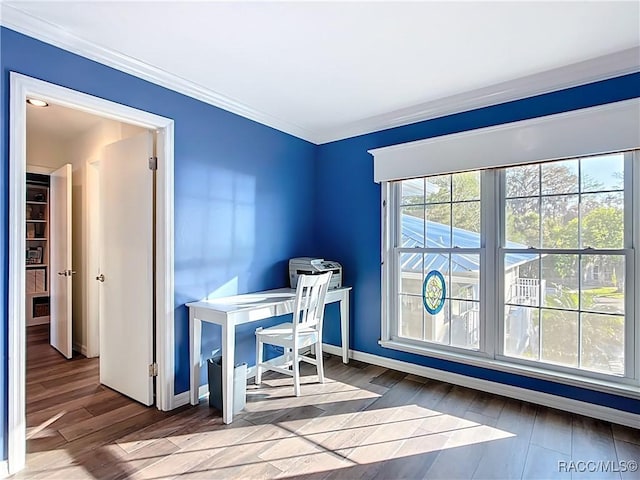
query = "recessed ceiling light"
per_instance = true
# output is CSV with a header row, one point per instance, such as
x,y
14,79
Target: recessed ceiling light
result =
x,y
37,103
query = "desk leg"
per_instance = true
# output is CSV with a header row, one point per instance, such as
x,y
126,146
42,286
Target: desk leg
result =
x,y
195,334
228,355
344,326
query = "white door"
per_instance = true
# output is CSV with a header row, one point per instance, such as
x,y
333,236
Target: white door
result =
x,y
126,267
60,260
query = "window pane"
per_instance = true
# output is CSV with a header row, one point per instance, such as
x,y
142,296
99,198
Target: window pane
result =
x,y
602,173
603,343
438,225
602,220
411,322
437,325
438,189
559,337
521,325
465,277
466,225
523,181
560,177
560,281
560,221
603,283
411,273
412,227
523,223
466,186
412,191
465,323
522,279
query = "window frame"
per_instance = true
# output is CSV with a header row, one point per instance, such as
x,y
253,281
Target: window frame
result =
x,y
490,353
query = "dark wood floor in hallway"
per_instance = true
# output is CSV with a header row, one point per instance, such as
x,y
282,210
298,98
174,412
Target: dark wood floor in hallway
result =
x,y
364,422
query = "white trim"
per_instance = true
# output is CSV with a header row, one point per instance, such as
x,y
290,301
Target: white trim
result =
x,y
488,269
21,87
387,245
181,399
561,403
635,212
184,398
20,21
39,169
34,322
165,299
16,427
91,255
4,469
203,391
581,73
600,68
626,387
613,127
78,347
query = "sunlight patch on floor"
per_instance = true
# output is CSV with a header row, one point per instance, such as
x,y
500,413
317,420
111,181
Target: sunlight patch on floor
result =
x,y
34,431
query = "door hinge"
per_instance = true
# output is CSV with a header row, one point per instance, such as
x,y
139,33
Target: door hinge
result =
x,y
153,163
153,370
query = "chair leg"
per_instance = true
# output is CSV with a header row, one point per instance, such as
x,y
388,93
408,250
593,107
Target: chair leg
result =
x,y
258,361
287,358
319,362
296,373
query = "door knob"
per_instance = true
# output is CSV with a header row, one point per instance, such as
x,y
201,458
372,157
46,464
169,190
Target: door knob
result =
x,y
63,273
100,277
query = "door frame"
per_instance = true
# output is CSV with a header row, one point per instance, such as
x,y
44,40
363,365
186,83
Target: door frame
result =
x,y
21,88
91,250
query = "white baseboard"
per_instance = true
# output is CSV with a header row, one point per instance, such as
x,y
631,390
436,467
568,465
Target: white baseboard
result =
x,y
545,399
80,348
179,400
38,321
4,469
183,398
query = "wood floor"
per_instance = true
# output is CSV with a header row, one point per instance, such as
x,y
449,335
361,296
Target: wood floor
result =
x,y
364,422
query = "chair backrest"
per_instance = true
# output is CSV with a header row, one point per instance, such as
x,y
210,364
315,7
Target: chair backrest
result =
x,y
309,305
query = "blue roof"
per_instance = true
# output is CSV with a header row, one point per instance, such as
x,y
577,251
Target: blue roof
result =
x,y
439,236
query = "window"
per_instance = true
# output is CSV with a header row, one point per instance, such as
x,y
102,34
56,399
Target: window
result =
x,y
529,265
565,291
439,232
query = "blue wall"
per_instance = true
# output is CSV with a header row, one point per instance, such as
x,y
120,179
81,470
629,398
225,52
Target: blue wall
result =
x,y
243,191
348,219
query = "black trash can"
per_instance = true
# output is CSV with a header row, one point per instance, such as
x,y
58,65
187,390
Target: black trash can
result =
x,y
214,368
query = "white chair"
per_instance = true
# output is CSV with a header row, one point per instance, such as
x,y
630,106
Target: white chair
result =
x,y
304,331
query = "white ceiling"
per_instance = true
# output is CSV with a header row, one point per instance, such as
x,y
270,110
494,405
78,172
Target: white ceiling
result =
x,y
328,70
59,122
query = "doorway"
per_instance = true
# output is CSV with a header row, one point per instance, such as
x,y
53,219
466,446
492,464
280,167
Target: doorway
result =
x,y
64,147
21,88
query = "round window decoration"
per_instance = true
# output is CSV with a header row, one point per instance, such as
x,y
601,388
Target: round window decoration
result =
x,y
434,291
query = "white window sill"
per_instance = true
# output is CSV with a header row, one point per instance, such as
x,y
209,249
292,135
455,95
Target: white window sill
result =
x,y
625,387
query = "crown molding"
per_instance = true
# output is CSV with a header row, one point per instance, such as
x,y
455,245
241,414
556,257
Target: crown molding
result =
x,y
581,73
22,22
600,68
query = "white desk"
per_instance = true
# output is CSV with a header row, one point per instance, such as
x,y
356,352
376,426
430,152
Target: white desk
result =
x,y
231,311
